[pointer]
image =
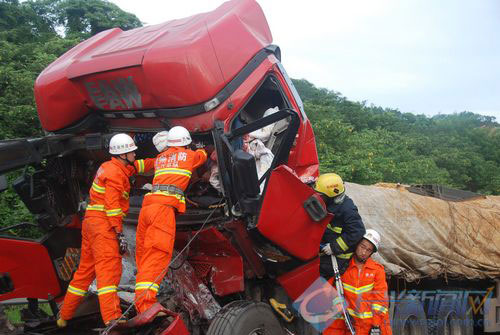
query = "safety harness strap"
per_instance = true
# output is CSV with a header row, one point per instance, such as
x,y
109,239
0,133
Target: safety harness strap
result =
x,y
172,189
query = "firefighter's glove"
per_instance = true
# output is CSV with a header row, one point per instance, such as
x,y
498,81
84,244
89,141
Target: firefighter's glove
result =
x,y
327,250
375,331
122,243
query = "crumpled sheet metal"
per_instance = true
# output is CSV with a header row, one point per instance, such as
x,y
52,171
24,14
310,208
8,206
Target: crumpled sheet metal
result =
x,y
427,237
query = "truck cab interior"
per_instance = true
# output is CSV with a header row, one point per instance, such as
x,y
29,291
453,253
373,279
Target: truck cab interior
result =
x,y
203,199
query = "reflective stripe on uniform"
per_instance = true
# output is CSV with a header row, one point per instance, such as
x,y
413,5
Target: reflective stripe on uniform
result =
x,y
337,230
125,194
107,289
358,290
97,188
181,172
345,256
76,291
379,308
114,212
95,208
147,286
360,315
342,244
140,162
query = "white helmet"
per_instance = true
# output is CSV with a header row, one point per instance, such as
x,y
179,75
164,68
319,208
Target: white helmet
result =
x,y
372,236
121,144
178,137
160,140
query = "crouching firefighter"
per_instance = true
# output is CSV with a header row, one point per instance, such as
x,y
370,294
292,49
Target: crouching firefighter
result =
x,y
344,230
365,292
103,242
156,229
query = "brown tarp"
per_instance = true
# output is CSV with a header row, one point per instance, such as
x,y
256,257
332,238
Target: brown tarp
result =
x,y
424,236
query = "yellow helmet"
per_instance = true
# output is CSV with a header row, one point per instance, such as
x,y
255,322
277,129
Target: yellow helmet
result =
x,y
330,184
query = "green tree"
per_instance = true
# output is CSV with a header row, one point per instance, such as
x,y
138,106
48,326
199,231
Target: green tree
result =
x,y
19,23
86,18
369,144
28,43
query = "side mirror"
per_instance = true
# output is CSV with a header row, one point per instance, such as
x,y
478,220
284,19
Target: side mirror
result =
x,y
3,183
246,181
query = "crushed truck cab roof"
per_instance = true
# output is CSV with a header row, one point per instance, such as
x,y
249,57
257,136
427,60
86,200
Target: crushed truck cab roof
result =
x,y
179,63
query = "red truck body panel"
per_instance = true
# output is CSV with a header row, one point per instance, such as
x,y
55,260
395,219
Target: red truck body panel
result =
x,y
31,270
174,64
215,260
283,219
299,279
216,74
176,326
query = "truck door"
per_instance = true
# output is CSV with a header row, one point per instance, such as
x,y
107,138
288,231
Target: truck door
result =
x,y
278,206
38,269
292,214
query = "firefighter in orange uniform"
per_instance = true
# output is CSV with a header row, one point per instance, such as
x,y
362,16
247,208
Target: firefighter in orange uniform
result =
x,y
156,229
365,290
103,242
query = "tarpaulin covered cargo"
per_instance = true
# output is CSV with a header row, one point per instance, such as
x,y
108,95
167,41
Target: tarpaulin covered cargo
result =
x,y
423,236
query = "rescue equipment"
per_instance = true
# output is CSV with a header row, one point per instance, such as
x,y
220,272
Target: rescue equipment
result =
x,y
282,310
172,189
340,289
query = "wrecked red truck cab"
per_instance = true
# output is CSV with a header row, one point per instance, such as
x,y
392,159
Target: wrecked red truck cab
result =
x,y
252,219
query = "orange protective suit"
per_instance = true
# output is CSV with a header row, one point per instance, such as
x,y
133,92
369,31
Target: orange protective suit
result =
x,y
100,257
366,296
156,229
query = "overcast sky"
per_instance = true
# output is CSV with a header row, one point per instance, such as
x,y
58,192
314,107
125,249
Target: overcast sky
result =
x,y
418,56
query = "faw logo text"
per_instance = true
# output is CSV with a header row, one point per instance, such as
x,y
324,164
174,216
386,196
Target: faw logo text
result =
x,y
120,93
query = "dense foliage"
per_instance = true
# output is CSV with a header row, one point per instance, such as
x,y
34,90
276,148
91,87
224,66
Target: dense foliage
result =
x,y
32,35
365,144
29,41
369,144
